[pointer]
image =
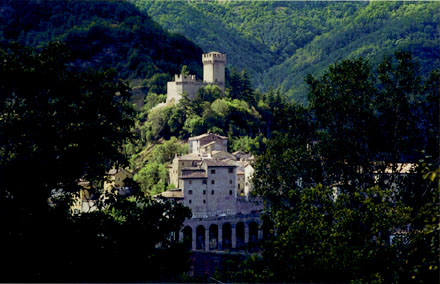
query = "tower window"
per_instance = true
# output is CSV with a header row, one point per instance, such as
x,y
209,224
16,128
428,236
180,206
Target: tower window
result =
x,y
190,201
230,192
190,181
230,181
212,181
212,192
190,191
204,192
204,181
231,170
204,201
213,172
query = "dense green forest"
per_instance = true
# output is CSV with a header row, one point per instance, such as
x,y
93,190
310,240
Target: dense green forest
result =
x,y
100,34
60,128
280,42
334,188
322,167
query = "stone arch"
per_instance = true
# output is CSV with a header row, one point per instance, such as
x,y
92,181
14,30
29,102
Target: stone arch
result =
x,y
213,237
267,230
253,234
239,232
187,237
200,238
226,236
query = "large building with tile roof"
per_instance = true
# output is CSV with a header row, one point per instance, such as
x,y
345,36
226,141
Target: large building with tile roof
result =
x,y
216,186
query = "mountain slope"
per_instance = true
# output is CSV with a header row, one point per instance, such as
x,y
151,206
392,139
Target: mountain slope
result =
x,y
376,31
101,34
281,42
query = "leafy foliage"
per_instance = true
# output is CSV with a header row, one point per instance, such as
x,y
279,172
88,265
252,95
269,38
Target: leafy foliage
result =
x,y
58,126
280,42
101,34
338,213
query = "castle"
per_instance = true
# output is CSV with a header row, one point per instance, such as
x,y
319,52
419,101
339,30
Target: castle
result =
x,y
213,74
216,186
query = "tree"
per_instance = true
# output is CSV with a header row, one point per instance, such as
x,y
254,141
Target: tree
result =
x,y
239,87
60,125
397,102
57,125
333,207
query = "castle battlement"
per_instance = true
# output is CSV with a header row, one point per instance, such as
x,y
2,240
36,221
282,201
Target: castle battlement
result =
x,y
214,56
213,73
184,78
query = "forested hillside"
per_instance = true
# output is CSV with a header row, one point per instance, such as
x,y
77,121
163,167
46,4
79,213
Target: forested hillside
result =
x,y
101,34
279,43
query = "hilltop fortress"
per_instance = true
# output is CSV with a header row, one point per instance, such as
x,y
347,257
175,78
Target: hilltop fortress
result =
x,y
213,74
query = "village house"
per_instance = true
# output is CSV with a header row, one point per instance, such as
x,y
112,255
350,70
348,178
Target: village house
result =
x,y
216,186
87,199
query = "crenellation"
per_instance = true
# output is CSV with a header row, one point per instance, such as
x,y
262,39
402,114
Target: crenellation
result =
x,y
213,74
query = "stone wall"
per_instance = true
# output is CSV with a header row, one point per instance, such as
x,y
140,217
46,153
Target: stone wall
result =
x,y
175,89
216,194
235,232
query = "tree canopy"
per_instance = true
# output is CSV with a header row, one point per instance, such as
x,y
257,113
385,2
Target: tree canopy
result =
x,y
343,203
60,127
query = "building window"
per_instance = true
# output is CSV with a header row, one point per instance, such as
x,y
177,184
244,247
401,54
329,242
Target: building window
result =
x,y
204,201
212,192
238,186
230,181
190,181
190,191
204,192
204,181
190,201
212,181
183,163
213,172
231,170
230,192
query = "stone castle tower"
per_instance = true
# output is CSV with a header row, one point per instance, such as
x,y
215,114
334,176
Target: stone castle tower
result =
x,y
213,74
214,69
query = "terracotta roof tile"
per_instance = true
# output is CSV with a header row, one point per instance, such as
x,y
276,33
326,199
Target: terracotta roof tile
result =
x,y
171,194
206,135
218,163
193,174
190,157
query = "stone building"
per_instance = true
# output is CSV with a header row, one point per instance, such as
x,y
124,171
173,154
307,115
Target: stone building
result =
x,y
207,143
216,186
113,184
213,74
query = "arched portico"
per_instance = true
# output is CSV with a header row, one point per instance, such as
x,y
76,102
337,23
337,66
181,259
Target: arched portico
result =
x,y
200,238
226,236
213,237
240,235
187,237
